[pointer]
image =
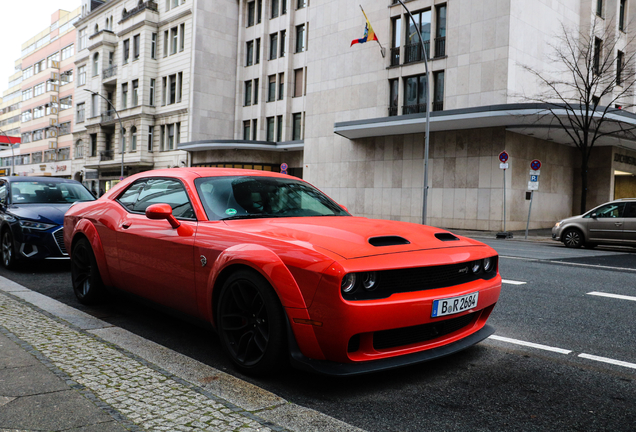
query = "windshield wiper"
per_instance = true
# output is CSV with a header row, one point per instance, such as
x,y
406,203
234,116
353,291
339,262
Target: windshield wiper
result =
x,y
251,216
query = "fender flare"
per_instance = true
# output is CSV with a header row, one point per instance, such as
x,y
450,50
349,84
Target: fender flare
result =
x,y
262,260
88,230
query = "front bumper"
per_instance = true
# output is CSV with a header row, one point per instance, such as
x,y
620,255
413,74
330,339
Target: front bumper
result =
x,y
556,234
33,244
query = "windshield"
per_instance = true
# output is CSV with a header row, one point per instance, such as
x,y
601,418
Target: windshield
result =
x,y
44,192
261,197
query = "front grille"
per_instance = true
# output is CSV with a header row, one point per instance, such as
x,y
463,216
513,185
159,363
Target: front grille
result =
x,y
421,278
59,239
386,339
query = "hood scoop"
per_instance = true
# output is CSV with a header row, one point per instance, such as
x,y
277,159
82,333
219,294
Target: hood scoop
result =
x,y
446,237
388,241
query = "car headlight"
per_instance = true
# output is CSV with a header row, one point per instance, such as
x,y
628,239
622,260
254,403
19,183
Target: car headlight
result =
x,y
487,264
475,267
368,281
558,224
35,225
348,283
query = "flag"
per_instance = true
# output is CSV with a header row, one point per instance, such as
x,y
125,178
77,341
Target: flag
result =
x,y
369,34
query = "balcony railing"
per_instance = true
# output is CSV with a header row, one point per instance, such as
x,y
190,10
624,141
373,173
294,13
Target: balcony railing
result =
x,y
438,106
413,52
393,111
106,155
142,6
108,116
109,72
413,109
440,47
395,56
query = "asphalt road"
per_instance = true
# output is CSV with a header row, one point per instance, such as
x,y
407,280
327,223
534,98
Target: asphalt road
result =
x,y
555,365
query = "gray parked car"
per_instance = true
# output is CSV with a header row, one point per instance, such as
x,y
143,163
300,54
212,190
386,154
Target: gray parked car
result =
x,y
610,223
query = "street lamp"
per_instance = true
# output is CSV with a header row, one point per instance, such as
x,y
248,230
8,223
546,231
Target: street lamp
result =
x,y
121,126
12,152
428,114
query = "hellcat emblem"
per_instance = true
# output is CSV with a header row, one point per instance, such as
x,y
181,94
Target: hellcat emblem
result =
x,y
204,261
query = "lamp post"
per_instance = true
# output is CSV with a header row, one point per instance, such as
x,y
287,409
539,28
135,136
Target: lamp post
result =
x,y
121,126
428,114
12,152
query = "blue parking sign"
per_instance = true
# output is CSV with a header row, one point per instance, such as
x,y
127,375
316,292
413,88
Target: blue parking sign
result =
x,y
534,178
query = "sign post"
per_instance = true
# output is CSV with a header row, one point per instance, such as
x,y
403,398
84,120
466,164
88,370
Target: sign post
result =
x,y
503,159
533,185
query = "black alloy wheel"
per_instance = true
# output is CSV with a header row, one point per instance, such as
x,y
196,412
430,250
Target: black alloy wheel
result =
x,y
250,321
573,238
8,251
87,282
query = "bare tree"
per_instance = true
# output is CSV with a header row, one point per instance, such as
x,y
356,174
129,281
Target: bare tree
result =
x,y
593,78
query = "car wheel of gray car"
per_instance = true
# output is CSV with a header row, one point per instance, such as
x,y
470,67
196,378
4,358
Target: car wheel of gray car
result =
x,y
573,238
8,251
251,323
87,282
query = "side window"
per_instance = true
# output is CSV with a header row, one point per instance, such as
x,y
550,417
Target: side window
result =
x,y
166,191
3,192
129,197
614,210
630,210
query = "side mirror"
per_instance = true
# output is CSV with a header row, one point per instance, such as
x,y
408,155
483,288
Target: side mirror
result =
x,y
344,208
162,211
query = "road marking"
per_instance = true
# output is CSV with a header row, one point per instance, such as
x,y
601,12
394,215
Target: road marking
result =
x,y
608,360
511,282
557,261
616,296
530,344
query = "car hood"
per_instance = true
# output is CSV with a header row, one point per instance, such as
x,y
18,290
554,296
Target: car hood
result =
x,y
348,236
48,213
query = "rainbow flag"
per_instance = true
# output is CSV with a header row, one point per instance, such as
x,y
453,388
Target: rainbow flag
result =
x,y
369,34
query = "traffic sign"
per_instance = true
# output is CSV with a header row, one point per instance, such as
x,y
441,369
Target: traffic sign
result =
x,y
503,166
533,172
535,164
503,157
533,185
534,178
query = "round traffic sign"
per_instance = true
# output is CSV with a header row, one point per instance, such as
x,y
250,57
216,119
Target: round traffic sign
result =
x,y
283,166
503,156
535,164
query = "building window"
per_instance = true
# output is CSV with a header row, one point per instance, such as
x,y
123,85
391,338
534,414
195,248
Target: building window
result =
x,y
94,105
246,130
164,91
65,128
275,8
151,99
273,46
259,11
124,96
79,149
279,128
297,126
251,11
270,128
301,4
166,39
248,93
53,61
256,91
413,48
135,92
174,39
271,88
80,113
438,91
27,73
38,89
619,67
414,90
68,52
27,94
283,7
254,129
396,40
136,48
26,116
93,145
39,67
81,75
281,85
283,37
66,102
123,141
393,95
126,51
181,37
179,86
153,46
172,82
598,48
133,138
82,39
96,64
150,137
300,38
66,77
440,33
298,82
621,15
249,50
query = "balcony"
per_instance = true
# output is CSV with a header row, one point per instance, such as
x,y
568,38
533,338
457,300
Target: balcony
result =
x,y
393,110
107,155
413,109
150,5
413,52
108,116
102,37
440,47
109,72
438,106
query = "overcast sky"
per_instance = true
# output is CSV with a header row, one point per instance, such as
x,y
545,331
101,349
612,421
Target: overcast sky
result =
x,y
21,20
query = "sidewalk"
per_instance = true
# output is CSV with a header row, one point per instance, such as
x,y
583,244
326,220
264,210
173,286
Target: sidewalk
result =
x,y
64,370
543,234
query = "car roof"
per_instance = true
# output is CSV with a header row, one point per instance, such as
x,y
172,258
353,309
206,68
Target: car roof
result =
x,y
13,179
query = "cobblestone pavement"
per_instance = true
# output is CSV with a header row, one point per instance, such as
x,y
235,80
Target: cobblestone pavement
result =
x,y
137,394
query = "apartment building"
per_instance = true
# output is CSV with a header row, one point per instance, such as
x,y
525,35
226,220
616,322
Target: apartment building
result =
x,y
365,122
46,99
10,121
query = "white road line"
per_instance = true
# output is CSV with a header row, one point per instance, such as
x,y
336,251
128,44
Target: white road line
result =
x,y
511,282
555,261
608,360
616,296
530,344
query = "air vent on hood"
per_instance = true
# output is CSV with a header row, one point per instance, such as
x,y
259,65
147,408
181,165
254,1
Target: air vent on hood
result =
x,y
388,241
446,237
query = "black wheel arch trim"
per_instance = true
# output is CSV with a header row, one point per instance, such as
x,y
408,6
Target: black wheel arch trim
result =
x,y
299,361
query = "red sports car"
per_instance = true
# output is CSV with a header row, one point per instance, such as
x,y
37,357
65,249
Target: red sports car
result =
x,y
282,271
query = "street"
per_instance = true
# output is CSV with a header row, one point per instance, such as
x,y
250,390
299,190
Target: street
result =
x,y
563,357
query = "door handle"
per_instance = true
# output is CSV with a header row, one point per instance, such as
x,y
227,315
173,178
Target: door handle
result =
x,y
618,223
126,224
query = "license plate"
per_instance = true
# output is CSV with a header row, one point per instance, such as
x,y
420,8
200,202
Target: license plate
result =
x,y
454,305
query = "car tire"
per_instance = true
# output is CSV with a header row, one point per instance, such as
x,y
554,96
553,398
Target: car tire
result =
x,y
573,238
87,282
8,250
251,324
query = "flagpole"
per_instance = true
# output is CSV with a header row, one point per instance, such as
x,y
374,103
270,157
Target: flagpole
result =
x,y
382,50
428,114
